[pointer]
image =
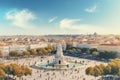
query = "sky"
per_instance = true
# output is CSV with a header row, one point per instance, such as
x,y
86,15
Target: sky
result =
x,y
45,17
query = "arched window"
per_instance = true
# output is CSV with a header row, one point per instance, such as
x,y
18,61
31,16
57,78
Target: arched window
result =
x,y
59,61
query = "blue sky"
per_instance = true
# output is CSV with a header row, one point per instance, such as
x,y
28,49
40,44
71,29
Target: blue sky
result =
x,y
39,17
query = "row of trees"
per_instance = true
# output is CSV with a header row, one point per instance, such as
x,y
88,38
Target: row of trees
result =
x,y
77,50
81,50
94,52
105,54
39,51
13,69
113,68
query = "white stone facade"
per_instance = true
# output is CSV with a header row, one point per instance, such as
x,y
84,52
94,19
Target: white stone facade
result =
x,y
59,58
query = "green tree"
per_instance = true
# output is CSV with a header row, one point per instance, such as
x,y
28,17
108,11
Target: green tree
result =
x,y
13,69
95,54
3,67
112,68
13,53
2,74
89,71
69,46
39,53
93,50
97,72
107,54
26,53
84,50
32,51
26,70
43,50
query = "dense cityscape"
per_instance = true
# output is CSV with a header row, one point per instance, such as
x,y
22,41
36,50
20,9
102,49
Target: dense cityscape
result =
x,y
21,43
86,50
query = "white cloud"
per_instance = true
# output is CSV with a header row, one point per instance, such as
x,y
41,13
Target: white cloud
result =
x,y
52,19
91,9
74,25
21,18
67,23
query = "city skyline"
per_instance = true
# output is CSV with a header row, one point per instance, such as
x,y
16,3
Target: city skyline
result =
x,y
42,17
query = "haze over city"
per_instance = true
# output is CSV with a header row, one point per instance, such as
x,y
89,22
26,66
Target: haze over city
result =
x,y
42,17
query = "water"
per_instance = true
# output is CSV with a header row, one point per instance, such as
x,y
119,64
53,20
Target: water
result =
x,y
52,65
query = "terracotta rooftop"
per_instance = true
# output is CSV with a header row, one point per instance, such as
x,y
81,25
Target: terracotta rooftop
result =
x,y
111,44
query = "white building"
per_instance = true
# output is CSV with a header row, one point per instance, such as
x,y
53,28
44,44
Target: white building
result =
x,y
34,46
115,48
83,45
18,47
4,50
103,47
